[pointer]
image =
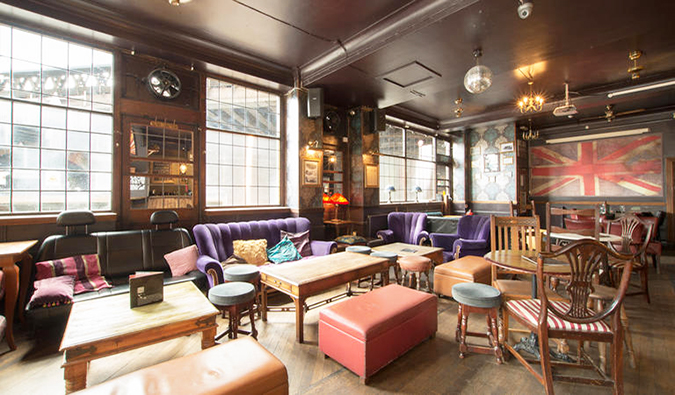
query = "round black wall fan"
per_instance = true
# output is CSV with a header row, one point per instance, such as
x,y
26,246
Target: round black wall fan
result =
x,y
164,84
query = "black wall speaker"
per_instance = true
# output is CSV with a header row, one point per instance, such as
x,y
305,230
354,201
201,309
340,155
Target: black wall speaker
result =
x,y
380,120
314,102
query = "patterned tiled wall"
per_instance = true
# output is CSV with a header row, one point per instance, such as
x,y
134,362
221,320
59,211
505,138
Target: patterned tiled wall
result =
x,y
458,170
491,184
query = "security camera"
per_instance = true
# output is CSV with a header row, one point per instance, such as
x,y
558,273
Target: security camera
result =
x,y
525,8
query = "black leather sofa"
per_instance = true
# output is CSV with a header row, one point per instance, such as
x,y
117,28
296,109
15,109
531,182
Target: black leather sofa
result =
x,y
121,253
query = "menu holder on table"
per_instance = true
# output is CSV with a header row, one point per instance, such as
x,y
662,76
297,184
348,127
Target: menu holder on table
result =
x,y
146,288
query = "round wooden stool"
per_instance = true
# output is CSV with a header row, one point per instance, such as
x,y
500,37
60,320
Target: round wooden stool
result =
x,y
234,298
414,266
477,298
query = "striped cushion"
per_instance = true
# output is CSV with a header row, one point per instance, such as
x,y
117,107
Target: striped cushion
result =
x,y
529,310
85,268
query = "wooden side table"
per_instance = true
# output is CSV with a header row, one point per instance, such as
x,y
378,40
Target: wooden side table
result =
x,y
10,253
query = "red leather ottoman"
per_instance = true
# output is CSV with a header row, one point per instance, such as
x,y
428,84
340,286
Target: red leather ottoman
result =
x,y
368,332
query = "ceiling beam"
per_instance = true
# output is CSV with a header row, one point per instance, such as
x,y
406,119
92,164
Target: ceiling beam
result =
x,y
407,19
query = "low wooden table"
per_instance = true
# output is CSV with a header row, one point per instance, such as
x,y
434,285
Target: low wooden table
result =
x,y
10,253
308,277
403,249
107,326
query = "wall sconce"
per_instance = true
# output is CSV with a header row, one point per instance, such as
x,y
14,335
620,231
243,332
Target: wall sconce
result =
x,y
182,169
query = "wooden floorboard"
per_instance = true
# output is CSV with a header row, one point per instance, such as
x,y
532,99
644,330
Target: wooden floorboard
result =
x,y
433,367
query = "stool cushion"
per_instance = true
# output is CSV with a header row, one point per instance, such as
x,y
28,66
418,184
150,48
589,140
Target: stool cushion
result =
x,y
468,267
230,294
240,366
522,289
244,273
391,256
358,249
414,263
528,309
477,295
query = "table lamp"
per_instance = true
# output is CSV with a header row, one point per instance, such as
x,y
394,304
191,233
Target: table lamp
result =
x,y
338,200
417,191
390,189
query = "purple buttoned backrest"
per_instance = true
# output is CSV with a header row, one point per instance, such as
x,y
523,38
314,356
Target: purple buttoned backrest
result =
x,y
474,227
406,226
215,240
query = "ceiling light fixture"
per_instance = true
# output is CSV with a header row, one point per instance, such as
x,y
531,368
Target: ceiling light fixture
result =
x,y
586,137
459,110
635,70
641,88
528,134
479,78
178,2
530,102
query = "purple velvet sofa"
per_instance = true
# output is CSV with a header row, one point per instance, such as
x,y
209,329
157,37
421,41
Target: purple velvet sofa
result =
x,y
405,228
215,241
472,238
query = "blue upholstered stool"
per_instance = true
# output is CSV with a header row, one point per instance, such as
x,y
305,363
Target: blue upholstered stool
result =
x,y
358,249
234,298
393,261
244,273
477,298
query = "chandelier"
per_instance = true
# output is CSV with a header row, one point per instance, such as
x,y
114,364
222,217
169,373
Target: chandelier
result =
x,y
479,78
528,134
530,102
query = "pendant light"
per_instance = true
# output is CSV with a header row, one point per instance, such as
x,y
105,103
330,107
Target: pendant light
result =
x,y
479,78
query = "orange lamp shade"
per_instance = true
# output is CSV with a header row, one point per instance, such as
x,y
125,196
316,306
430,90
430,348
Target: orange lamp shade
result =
x,y
326,199
337,198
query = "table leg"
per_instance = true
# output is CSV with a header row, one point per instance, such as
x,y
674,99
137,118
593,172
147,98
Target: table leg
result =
x,y
209,338
11,292
75,375
299,319
26,265
264,302
385,277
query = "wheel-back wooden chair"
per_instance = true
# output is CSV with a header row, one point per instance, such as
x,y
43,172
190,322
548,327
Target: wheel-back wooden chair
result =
x,y
573,319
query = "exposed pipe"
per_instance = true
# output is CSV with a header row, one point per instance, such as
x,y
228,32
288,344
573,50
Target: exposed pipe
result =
x,y
407,19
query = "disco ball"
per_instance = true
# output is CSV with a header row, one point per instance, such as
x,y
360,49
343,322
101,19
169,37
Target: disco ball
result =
x,y
478,79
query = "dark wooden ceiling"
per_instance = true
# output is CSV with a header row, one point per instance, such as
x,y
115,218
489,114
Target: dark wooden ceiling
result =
x,y
349,46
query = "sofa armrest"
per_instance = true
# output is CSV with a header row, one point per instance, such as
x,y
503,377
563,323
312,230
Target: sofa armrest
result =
x,y
444,240
375,243
212,268
387,235
463,247
422,238
323,247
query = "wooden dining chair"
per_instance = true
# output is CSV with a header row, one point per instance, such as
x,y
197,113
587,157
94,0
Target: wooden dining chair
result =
x,y
584,222
518,234
515,209
573,319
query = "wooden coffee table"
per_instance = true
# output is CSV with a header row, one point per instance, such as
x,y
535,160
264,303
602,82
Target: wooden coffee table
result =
x,y
404,249
308,277
107,326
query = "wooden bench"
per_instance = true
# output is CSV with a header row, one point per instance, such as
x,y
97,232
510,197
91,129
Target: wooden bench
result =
x,y
240,366
368,332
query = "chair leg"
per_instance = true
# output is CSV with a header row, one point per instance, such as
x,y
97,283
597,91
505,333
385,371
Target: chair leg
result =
x,y
493,335
459,322
644,276
545,359
627,337
617,362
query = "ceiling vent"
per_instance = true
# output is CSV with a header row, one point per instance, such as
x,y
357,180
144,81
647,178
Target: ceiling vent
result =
x,y
409,75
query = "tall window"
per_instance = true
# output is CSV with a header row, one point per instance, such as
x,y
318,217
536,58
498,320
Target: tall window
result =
x,y
55,124
242,146
407,163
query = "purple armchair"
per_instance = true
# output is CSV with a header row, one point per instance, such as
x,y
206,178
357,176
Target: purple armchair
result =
x,y
472,238
215,241
405,228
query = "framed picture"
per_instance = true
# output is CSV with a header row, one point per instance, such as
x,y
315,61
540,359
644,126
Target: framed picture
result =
x,y
507,160
311,172
507,147
372,176
474,151
491,163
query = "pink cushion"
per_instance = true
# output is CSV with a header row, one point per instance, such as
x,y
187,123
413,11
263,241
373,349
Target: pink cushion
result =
x,y
183,261
85,268
529,310
414,263
53,291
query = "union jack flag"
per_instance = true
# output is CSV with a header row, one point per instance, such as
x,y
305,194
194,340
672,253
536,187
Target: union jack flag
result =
x,y
628,166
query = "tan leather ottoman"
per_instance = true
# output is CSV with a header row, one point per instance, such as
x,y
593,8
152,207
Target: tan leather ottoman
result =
x,y
468,269
240,366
